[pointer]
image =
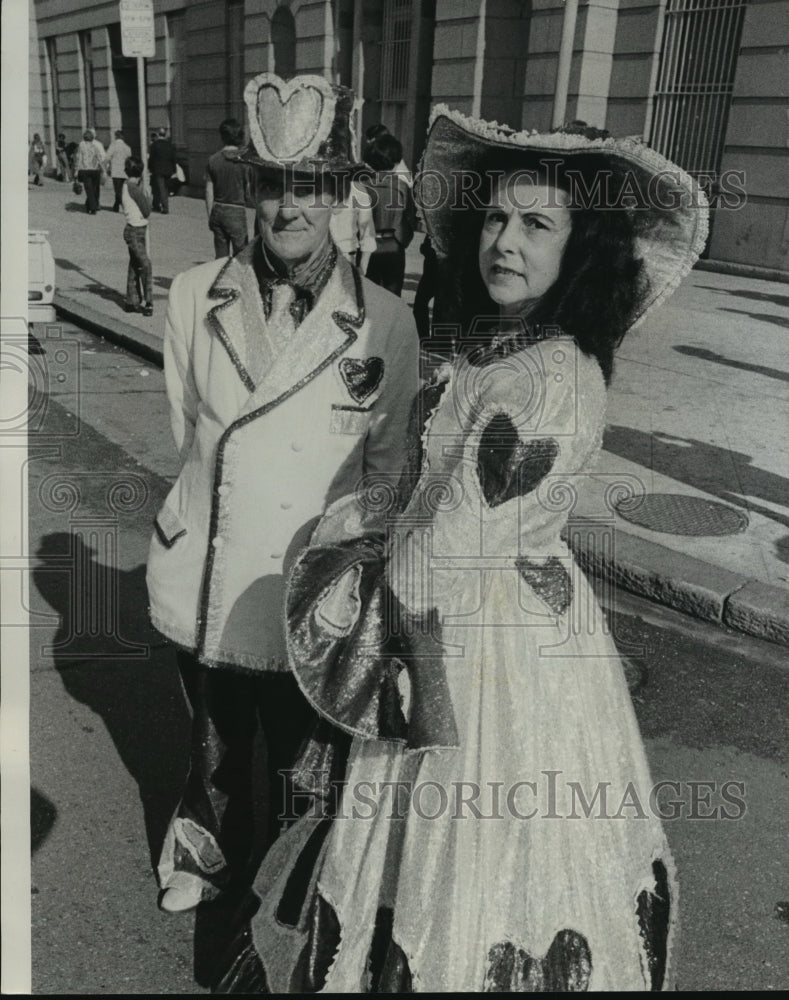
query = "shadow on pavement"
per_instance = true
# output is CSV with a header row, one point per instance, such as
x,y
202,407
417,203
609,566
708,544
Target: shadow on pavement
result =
x,y
67,265
107,293
111,660
745,293
726,474
760,317
77,206
745,366
781,548
42,818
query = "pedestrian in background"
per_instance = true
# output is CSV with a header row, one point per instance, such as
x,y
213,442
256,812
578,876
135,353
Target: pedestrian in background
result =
x,y
64,159
89,164
161,164
227,191
353,229
394,213
137,209
118,152
401,167
36,159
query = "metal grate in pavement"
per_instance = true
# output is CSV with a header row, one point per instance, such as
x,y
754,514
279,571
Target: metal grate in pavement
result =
x,y
676,514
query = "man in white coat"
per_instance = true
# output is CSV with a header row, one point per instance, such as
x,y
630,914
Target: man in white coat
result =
x,y
289,377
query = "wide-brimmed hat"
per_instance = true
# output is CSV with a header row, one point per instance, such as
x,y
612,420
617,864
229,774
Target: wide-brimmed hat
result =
x,y
302,124
669,210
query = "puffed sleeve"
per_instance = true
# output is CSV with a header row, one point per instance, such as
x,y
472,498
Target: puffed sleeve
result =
x,y
349,641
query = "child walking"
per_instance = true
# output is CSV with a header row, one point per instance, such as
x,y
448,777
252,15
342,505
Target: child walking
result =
x,y
137,208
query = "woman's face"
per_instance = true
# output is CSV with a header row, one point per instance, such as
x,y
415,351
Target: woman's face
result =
x,y
524,233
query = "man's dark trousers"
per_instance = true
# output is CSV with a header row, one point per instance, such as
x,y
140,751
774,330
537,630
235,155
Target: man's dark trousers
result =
x,y
161,193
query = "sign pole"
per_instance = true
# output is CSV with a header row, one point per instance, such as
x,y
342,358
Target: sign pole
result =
x,y
138,41
143,115
143,107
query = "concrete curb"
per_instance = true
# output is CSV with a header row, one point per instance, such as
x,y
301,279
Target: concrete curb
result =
x,y
648,569
680,581
742,270
145,345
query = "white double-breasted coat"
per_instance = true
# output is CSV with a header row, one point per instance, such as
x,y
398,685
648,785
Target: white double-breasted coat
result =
x,y
261,459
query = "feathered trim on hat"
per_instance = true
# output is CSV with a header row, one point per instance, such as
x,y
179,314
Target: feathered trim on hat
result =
x,y
669,208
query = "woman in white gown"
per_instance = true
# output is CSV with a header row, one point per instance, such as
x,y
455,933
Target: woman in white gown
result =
x,y
493,830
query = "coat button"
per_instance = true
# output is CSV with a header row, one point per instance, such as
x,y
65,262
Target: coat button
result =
x,y
296,446
223,490
286,506
277,555
218,542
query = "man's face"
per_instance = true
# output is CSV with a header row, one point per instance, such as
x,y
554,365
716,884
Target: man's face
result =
x,y
293,215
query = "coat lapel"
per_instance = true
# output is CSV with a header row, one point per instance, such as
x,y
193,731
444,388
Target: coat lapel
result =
x,y
239,311
328,329
326,332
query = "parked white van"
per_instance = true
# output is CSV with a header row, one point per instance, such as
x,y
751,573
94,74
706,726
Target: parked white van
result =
x,y
40,277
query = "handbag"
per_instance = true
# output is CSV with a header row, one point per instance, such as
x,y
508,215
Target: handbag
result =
x,y
76,187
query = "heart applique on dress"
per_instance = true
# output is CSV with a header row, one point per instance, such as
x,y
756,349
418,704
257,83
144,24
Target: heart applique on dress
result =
x,y
566,967
508,467
361,376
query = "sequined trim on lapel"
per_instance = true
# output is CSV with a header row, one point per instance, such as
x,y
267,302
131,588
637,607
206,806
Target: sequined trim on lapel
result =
x,y
230,292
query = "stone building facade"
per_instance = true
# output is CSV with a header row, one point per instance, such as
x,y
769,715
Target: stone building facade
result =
x,y
704,81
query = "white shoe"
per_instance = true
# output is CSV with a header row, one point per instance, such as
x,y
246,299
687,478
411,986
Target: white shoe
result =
x,y
176,900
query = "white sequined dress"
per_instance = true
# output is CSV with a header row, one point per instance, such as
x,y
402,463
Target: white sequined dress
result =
x,y
527,855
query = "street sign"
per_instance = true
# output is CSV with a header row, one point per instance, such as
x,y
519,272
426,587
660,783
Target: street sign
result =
x,y
137,35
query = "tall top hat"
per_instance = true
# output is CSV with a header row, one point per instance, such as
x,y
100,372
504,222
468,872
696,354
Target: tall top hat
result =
x,y
303,124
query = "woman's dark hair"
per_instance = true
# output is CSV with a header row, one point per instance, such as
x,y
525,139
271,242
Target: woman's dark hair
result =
x,y
373,131
231,131
383,153
133,166
600,278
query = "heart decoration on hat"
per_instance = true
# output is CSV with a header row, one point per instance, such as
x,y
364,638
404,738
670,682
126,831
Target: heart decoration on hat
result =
x,y
361,376
289,119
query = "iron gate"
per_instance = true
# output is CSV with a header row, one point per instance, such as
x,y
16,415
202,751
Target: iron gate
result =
x,y
701,42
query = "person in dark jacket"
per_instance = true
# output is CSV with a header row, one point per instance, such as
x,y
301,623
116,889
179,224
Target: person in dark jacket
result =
x,y
161,164
394,212
227,191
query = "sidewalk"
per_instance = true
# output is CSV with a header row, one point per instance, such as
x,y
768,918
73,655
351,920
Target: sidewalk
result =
x,y
697,417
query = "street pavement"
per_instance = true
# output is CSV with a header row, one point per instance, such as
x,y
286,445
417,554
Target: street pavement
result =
x,y
109,729
689,503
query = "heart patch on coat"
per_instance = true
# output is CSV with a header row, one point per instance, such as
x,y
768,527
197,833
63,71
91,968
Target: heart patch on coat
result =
x,y
361,376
